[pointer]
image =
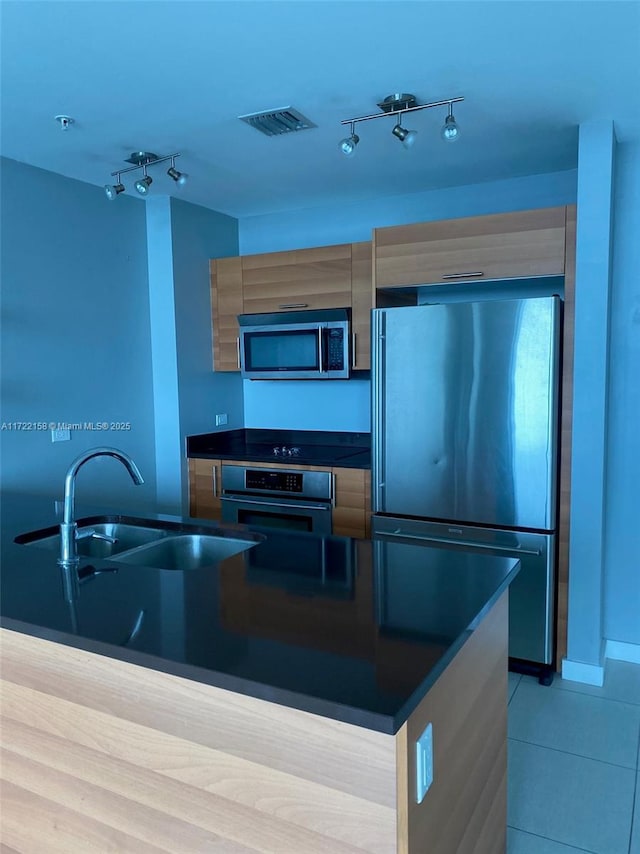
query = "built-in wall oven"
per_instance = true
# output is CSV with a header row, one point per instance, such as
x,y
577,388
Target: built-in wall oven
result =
x,y
280,498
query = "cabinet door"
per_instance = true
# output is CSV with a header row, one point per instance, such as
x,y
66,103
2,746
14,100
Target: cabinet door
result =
x,y
361,304
204,489
226,305
525,243
300,279
350,510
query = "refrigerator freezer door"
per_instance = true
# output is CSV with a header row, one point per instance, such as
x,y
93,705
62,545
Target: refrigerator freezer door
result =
x,y
465,411
531,596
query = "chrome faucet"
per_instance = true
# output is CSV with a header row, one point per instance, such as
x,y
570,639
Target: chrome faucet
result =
x,y
69,528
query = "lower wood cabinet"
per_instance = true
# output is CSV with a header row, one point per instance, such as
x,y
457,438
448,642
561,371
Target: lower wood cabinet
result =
x,y
351,512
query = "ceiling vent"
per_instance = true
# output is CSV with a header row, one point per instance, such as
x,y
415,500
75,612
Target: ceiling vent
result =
x,y
275,122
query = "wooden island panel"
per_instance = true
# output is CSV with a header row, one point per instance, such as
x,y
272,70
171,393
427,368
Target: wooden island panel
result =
x,y
104,755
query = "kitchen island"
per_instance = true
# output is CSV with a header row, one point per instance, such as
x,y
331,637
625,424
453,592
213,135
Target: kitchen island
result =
x,y
269,703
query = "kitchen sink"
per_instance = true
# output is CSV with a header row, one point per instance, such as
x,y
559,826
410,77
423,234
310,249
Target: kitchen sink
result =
x,y
185,551
149,543
125,536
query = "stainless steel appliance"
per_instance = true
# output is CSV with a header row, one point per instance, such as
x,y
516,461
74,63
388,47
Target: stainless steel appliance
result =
x,y
292,345
300,500
465,420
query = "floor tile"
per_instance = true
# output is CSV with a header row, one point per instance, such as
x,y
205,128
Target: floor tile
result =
x,y
635,839
519,842
577,723
570,799
514,679
621,682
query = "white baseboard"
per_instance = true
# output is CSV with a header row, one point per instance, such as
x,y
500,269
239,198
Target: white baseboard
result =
x,y
621,651
578,671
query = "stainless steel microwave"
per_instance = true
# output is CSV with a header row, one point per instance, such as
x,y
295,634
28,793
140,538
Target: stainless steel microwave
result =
x,y
295,345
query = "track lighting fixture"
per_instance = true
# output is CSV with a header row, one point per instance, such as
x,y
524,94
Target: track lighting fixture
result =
x,y
179,177
348,144
406,137
397,105
113,190
450,131
142,160
142,184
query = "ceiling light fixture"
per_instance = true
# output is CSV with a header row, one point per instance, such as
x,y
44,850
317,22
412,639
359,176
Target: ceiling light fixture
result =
x,y
179,177
450,131
113,190
142,184
397,105
142,160
348,144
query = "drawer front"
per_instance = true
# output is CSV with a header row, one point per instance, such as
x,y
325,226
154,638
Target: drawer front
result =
x,y
527,243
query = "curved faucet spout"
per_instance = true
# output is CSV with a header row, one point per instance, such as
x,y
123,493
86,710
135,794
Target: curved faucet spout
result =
x,y
68,551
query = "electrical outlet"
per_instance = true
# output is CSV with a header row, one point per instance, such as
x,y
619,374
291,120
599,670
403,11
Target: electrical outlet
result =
x,y
60,435
221,419
424,763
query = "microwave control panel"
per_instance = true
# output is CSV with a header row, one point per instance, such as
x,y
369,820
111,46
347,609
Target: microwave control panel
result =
x,y
335,350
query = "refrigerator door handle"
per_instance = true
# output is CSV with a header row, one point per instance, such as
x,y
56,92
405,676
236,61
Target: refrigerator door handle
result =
x,y
377,406
512,550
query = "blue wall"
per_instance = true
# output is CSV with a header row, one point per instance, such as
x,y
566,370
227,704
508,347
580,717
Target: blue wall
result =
x,y
326,405
622,498
199,234
75,333
181,239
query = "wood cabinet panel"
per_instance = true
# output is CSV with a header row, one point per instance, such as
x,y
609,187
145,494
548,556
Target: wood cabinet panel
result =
x,y
361,304
300,279
525,243
349,512
204,489
103,755
465,810
226,305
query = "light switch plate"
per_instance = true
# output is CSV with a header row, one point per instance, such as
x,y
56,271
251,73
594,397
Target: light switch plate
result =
x,y
221,419
424,763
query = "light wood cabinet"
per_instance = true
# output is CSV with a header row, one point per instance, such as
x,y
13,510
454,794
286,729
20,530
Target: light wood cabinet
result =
x,y
302,279
204,489
226,305
351,512
524,243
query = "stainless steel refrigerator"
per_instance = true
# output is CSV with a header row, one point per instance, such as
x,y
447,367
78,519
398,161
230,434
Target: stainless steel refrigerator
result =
x,y
464,438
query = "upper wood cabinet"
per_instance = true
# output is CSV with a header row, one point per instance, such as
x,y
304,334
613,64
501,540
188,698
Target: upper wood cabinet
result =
x,y
226,305
302,279
524,243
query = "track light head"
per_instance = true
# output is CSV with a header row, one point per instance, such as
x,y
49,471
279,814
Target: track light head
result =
x,y
406,137
142,184
348,144
179,177
450,131
111,191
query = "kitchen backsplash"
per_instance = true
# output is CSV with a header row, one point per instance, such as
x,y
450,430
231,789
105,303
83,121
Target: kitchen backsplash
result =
x,y
308,405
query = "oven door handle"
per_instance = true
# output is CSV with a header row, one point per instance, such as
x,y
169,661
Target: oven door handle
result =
x,y
266,503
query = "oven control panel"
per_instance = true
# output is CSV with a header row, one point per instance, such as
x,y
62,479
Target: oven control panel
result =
x,y
246,480
274,481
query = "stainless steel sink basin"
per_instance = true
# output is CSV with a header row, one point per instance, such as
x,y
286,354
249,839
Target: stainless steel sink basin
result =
x,y
185,551
126,536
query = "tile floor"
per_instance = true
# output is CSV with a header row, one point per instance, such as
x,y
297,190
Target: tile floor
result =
x,y
574,765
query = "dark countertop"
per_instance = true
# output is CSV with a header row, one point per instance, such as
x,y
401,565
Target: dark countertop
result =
x,y
312,447
354,630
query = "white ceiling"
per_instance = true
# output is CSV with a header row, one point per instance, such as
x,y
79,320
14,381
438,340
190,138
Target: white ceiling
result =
x,y
174,76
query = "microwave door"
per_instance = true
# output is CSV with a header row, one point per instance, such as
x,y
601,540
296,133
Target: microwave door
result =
x,y
285,351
